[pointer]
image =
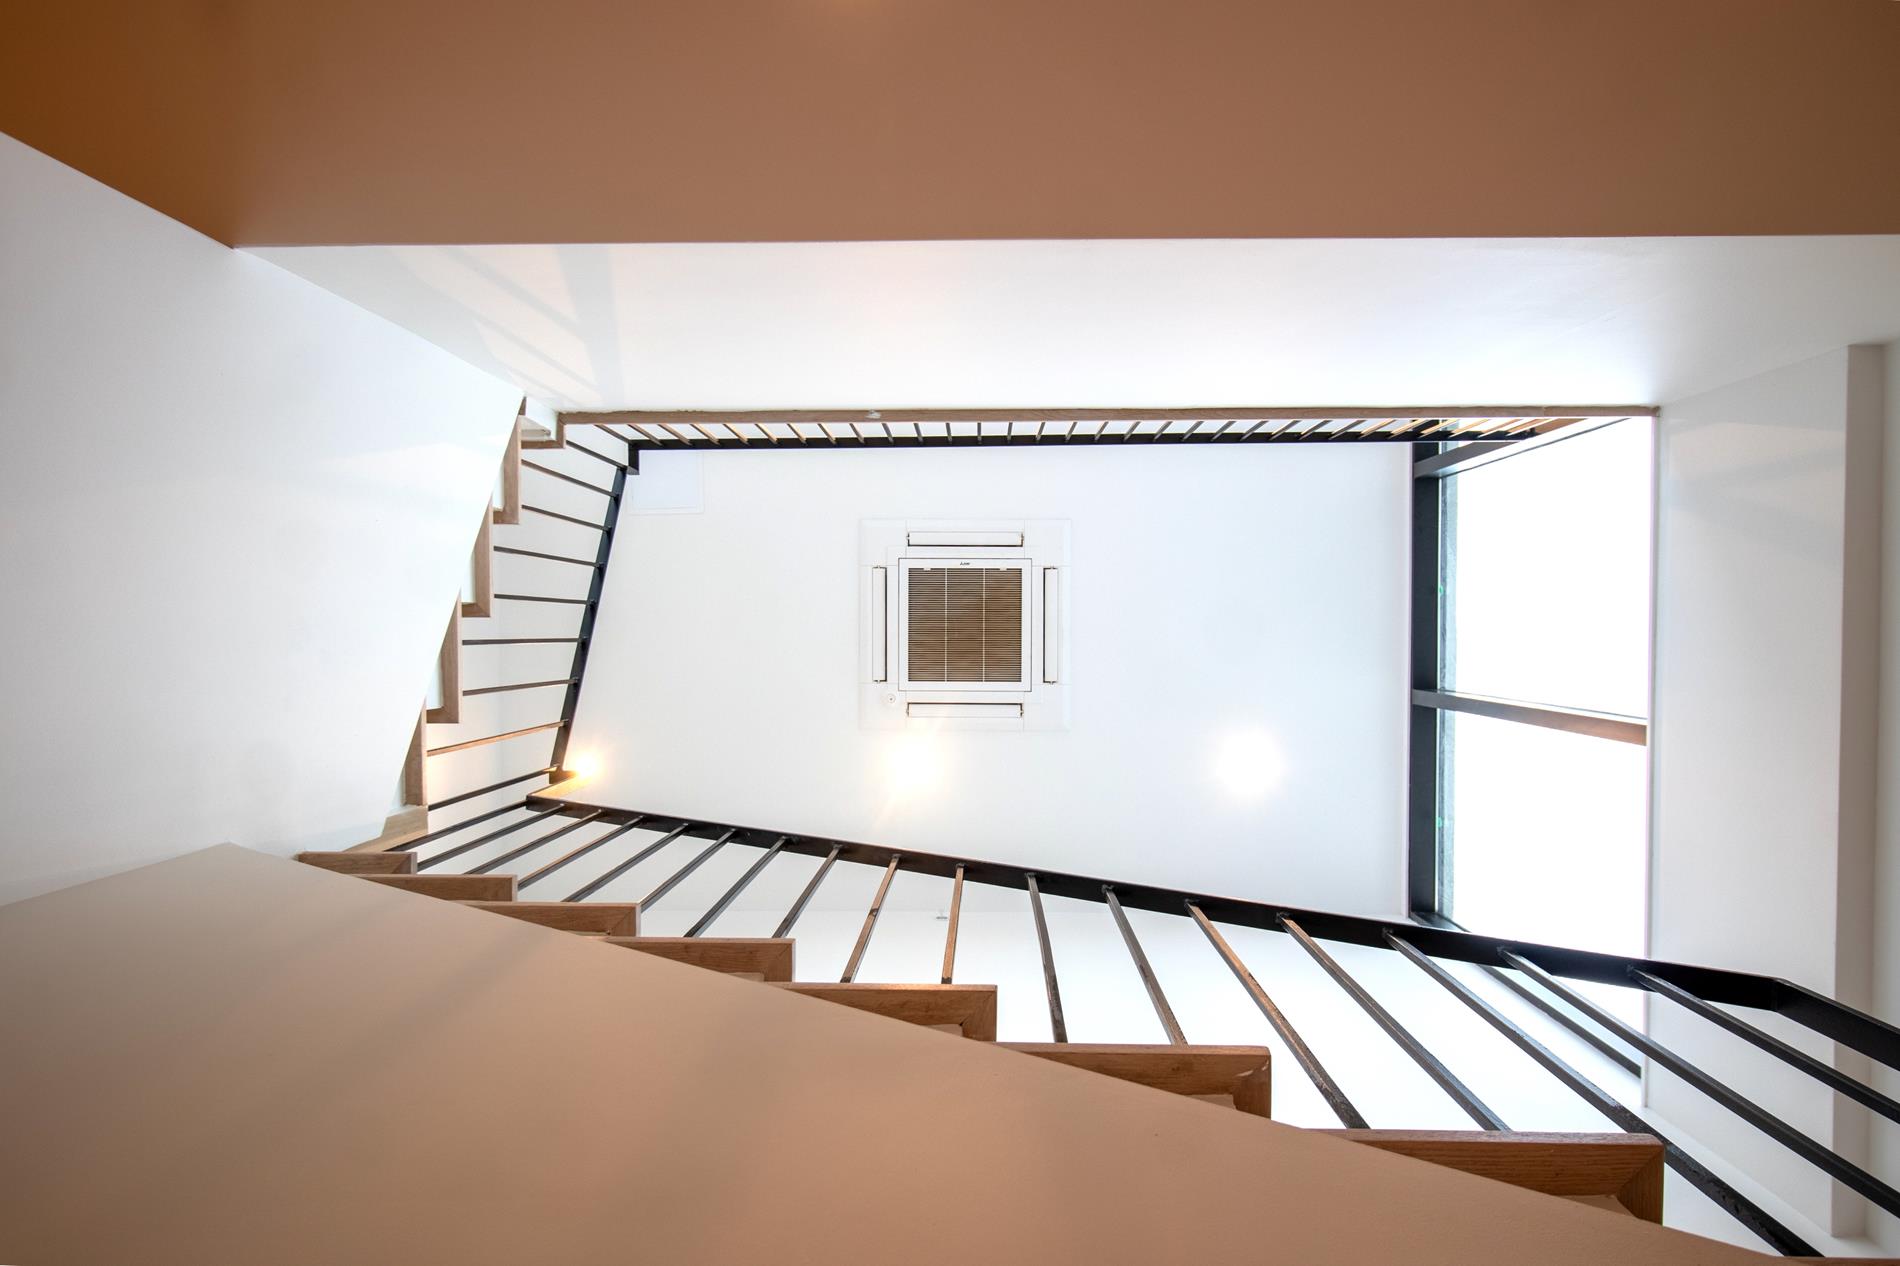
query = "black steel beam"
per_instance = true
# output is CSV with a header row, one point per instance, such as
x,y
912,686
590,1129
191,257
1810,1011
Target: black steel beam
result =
x,y
535,814
465,823
672,881
1329,1090
1869,1035
1604,1046
565,518
719,907
589,889
1424,766
577,668
1144,969
495,863
1826,1074
1744,1210
1058,1027
1823,1158
798,907
579,483
535,553
576,854
1448,1081
446,801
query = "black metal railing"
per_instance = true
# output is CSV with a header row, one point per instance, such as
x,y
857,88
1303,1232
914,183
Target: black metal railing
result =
x,y
1537,972
1480,432
498,634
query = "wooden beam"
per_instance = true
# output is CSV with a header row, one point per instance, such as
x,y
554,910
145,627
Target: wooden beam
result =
x,y
596,918
509,511
764,958
361,863
1626,1167
452,887
448,673
969,1009
1239,1072
481,568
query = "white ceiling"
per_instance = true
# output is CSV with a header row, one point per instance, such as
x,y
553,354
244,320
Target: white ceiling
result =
x,y
1182,323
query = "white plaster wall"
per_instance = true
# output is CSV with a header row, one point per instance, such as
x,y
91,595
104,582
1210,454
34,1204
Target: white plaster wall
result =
x,y
1884,1148
237,509
1216,594
1762,832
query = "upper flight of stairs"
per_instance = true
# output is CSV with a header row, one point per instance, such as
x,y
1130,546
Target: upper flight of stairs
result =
x,y
479,615
1622,1173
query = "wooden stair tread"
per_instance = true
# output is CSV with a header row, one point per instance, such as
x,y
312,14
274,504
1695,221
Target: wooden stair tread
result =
x,y
969,1009
1625,1167
1240,1075
596,918
496,888
362,862
768,958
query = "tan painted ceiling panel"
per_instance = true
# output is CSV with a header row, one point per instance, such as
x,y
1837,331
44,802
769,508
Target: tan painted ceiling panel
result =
x,y
687,120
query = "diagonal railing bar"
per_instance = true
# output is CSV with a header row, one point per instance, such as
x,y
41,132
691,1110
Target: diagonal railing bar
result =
x,y
1856,1029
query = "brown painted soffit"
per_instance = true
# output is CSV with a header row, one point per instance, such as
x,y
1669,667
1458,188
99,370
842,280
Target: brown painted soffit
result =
x,y
737,120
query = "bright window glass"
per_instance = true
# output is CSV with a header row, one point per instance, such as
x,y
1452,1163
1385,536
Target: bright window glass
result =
x,y
1548,574
1546,834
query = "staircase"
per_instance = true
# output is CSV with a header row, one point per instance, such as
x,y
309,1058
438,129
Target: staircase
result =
x,y
548,834
1622,1173
515,646
536,854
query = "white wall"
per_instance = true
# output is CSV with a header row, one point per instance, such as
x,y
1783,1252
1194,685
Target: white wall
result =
x,y
1885,888
1763,733
767,325
237,509
1216,594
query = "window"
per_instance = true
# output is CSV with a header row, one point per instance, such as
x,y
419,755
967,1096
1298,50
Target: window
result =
x,y
1531,688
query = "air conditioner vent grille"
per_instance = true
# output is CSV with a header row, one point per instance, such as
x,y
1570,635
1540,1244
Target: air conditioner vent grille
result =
x,y
965,624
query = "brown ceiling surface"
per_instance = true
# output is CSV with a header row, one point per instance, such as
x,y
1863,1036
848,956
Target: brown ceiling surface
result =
x,y
736,120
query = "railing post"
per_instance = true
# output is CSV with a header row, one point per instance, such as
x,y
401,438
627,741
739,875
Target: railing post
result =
x,y
719,907
1329,1090
950,933
1460,1093
672,881
1744,1210
798,906
588,890
1156,998
1058,1030
870,924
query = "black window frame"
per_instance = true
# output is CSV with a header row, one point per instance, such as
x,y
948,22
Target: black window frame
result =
x,y
1427,774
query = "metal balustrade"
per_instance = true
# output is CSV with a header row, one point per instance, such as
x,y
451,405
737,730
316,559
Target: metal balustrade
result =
x,y
1539,970
1481,432
587,603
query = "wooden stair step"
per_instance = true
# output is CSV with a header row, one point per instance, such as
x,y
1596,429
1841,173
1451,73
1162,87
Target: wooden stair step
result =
x,y
1239,1076
1627,1168
966,1009
764,958
498,888
589,918
362,862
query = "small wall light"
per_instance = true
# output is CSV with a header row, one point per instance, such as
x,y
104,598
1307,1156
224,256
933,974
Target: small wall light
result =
x,y
1248,764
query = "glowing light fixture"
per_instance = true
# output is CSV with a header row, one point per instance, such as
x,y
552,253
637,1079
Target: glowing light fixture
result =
x,y
913,764
1248,764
